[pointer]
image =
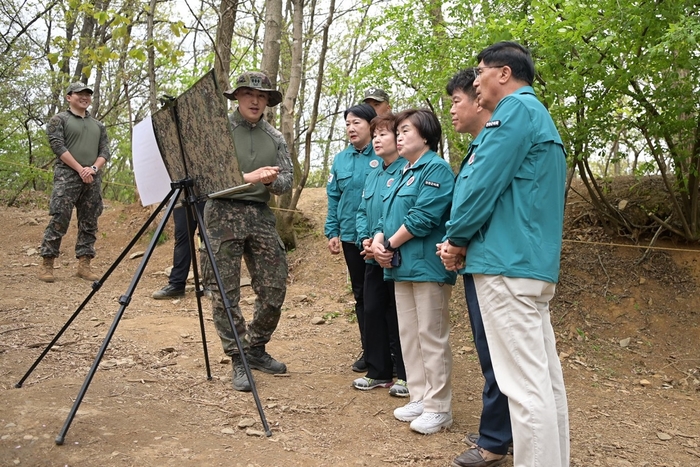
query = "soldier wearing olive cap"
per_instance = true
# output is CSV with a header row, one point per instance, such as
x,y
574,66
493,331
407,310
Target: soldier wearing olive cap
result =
x,y
242,225
81,148
379,100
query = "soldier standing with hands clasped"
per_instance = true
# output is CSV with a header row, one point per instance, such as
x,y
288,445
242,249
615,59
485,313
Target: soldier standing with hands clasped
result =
x,y
81,147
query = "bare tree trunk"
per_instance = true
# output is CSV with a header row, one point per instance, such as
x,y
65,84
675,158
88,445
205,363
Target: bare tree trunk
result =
x,y
287,117
151,65
271,46
224,36
319,83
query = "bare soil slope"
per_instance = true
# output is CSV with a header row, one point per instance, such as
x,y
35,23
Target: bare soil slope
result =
x,y
628,338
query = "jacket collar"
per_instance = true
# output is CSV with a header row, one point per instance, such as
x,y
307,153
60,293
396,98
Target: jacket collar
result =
x,y
239,120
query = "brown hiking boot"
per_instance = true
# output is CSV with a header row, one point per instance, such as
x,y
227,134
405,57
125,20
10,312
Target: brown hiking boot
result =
x,y
84,270
46,269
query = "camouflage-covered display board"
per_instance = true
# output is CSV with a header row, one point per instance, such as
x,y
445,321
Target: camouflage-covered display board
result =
x,y
195,138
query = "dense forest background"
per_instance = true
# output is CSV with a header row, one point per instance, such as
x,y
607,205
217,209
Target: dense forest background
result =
x,y
620,77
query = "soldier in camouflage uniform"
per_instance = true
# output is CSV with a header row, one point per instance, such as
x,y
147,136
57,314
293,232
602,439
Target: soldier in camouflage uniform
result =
x,y
242,225
81,147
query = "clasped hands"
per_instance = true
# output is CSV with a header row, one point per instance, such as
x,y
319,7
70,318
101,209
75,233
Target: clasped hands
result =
x,y
264,175
87,175
380,254
452,257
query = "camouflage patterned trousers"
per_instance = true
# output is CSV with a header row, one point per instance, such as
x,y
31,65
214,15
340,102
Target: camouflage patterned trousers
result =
x,y
69,190
243,229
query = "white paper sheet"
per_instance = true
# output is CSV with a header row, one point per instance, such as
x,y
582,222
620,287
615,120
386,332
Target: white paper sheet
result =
x,y
152,180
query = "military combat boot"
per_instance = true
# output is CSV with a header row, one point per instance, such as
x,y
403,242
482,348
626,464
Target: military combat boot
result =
x,y
240,379
46,269
84,270
263,361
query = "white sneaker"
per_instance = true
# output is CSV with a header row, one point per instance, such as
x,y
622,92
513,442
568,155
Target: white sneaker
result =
x,y
432,422
409,412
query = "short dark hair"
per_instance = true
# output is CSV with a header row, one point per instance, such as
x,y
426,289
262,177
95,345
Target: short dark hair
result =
x,y
386,121
364,111
426,123
514,55
463,81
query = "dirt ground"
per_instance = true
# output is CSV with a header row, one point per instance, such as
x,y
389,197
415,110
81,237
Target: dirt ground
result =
x,y
628,338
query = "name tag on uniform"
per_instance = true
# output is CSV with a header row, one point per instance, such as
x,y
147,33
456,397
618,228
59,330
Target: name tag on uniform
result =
x,y
493,124
433,184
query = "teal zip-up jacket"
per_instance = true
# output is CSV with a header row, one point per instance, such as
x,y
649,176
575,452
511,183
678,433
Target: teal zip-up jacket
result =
x,y
508,205
344,189
378,183
421,202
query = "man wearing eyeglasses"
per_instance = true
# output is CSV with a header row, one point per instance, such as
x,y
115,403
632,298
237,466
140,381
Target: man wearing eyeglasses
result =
x,y
492,442
510,233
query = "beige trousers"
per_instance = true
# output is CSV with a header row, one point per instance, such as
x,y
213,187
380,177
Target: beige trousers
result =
x,y
527,368
424,330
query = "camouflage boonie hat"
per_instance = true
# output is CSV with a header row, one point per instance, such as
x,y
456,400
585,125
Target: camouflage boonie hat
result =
x,y
256,80
376,94
78,87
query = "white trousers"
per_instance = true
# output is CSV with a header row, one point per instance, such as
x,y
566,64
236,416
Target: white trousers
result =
x,y
423,312
527,368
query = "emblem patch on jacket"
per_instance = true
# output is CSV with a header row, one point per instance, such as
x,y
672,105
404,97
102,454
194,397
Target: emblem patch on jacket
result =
x,y
389,182
410,181
374,163
330,178
433,184
471,159
492,124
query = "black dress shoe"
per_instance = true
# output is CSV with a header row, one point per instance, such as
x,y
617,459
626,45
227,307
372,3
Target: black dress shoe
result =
x,y
473,458
360,366
169,291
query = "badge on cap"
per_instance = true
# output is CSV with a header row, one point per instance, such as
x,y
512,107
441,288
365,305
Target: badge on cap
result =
x,y
410,181
374,163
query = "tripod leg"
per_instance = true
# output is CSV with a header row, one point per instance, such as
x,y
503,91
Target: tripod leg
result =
x,y
227,307
124,301
191,206
95,287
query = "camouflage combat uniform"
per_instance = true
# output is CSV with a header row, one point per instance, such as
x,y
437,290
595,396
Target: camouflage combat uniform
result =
x,y
66,132
243,225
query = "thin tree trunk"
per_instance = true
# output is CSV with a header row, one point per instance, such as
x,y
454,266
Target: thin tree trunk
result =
x,y
224,36
151,65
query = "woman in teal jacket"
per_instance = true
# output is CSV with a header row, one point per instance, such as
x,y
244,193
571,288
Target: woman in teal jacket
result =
x,y
382,344
413,222
344,189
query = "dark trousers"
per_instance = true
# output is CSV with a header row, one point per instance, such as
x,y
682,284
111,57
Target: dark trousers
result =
x,y
182,258
495,432
356,268
381,327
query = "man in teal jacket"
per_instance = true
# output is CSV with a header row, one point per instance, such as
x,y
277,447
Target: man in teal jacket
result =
x,y
509,226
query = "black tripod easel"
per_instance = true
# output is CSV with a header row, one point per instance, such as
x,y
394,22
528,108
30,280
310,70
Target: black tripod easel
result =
x,y
186,188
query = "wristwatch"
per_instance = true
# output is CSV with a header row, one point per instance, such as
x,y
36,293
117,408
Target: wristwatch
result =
x,y
94,168
388,247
